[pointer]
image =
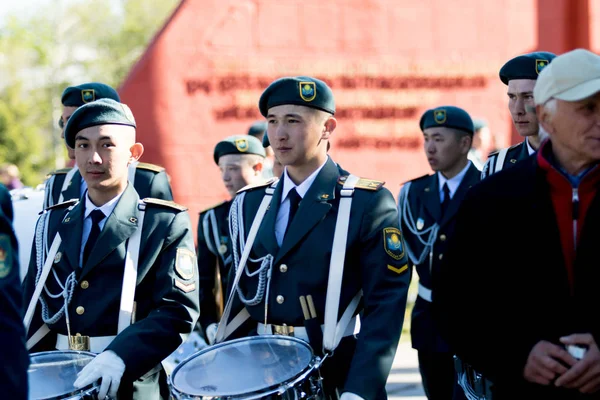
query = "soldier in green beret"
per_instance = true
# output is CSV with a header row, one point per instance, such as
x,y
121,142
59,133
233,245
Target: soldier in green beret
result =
x,y
240,160
363,270
428,206
148,179
119,275
520,75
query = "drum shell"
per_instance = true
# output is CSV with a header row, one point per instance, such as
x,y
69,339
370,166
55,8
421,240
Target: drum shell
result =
x,y
80,358
306,384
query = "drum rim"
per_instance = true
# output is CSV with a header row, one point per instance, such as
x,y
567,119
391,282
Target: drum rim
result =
x,y
267,390
76,391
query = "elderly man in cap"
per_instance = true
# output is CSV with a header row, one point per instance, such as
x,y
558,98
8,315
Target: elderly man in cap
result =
x,y
149,180
520,75
240,160
528,323
427,208
123,279
325,236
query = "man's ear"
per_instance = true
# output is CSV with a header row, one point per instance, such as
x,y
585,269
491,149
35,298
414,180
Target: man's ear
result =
x,y
544,118
258,167
329,127
136,150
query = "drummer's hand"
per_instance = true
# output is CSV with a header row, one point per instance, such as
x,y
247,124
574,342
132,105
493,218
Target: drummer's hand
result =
x,y
350,396
106,366
211,333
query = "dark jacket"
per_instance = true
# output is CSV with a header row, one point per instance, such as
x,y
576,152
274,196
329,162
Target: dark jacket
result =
x,y
514,154
503,285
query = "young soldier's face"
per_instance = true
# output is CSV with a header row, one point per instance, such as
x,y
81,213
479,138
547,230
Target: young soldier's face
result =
x,y
521,105
445,148
66,114
298,134
103,154
239,170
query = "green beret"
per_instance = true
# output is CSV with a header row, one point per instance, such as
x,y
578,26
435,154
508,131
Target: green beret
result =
x,y
526,66
447,116
257,129
239,144
99,112
76,96
300,91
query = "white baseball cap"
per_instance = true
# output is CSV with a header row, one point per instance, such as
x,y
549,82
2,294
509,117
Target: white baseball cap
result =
x,y
571,76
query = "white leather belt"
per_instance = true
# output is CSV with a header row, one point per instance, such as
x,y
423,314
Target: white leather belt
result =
x,y
97,343
300,331
424,293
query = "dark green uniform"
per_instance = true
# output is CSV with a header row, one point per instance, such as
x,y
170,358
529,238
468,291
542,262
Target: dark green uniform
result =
x,y
150,181
13,357
375,263
166,296
511,156
214,249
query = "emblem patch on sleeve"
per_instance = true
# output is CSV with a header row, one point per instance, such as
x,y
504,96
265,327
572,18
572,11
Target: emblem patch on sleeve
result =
x,y
185,262
6,256
392,243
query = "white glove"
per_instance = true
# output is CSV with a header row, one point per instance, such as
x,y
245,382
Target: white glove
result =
x,y
106,366
350,396
211,333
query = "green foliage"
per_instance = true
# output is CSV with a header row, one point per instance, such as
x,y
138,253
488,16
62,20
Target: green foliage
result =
x,y
54,47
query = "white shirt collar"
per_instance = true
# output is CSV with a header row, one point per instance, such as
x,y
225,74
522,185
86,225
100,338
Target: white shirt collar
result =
x,y
530,150
302,188
453,183
107,208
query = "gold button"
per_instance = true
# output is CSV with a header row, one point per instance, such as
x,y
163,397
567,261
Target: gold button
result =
x,y
441,256
443,237
280,299
80,310
283,268
85,285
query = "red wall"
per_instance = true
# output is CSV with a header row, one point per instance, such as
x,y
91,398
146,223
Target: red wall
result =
x,y
386,60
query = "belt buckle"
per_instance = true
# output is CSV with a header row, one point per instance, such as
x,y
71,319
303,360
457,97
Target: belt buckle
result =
x,y
283,330
79,342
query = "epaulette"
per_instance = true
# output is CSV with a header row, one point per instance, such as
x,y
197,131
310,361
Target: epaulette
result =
x,y
416,179
257,185
363,183
495,153
62,171
150,167
213,206
164,203
64,204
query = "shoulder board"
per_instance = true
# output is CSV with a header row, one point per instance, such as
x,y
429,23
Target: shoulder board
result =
x,y
164,203
62,171
64,204
514,146
213,206
363,183
417,179
257,185
150,167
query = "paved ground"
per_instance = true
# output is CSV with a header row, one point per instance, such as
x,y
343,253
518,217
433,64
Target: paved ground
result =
x,y
404,381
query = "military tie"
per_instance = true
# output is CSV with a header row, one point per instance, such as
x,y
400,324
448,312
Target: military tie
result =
x,y
97,216
446,201
295,199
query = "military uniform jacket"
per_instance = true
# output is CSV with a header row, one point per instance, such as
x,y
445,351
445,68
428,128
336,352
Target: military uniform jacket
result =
x,y
514,154
14,359
424,204
150,181
301,267
166,295
212,253
496,299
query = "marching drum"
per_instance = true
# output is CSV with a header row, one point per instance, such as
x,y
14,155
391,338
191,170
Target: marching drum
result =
x,y
51,375
27,204
257,367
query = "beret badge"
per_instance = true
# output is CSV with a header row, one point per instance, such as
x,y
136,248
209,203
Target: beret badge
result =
x,y
540,65
439,116
308,91
88,95
242,145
